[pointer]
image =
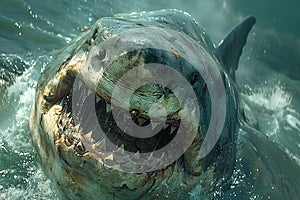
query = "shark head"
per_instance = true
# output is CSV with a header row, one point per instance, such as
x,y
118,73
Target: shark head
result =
x,y
140,106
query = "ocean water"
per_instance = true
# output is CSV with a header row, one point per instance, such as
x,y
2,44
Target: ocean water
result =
x,y
268,161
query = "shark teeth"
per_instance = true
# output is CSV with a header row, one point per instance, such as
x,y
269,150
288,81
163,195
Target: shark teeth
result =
x,y
166,126
98,99
77,127
110,157
100,145
121,150
69,123
173,128
89,136
69,139
108,107
135,160
109,160
79,149
80,146
154,124
151,156
141,121
136,156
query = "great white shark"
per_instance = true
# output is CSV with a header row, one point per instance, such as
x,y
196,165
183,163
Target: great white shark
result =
x,y
76,95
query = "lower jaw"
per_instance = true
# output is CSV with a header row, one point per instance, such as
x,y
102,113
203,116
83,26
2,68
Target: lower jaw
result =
x,y
84,177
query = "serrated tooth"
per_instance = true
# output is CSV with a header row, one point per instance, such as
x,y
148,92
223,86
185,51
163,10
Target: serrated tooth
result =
x,y
76,128
109,158
98,99
69,122
89,135
67,142
141,121
80,146
173,128
100,145
151,156
166,126
137,155
121,150
108,107
154,124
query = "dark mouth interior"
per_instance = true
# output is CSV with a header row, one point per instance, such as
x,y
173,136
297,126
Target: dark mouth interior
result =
x,y
93,113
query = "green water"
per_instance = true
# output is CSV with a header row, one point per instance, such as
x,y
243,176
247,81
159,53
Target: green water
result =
x,y
268,77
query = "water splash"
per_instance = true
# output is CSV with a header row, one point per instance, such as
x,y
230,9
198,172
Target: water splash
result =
x,y
274,98
21,175
277,117
269,104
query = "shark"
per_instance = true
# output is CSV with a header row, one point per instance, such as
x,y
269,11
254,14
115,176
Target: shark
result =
x,y
141,106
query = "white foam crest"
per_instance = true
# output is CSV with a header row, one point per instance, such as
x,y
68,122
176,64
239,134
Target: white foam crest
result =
x,y
271,105
274,99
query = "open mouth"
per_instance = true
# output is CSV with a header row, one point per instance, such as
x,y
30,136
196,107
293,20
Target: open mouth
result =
x,y
87,123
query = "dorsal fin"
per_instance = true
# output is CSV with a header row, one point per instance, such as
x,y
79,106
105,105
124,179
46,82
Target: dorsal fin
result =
x,y
230,48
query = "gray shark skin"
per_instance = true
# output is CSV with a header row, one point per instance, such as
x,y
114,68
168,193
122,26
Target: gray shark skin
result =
x,y
81,160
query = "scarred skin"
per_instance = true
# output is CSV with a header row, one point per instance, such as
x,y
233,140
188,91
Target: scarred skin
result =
x,y
78,165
